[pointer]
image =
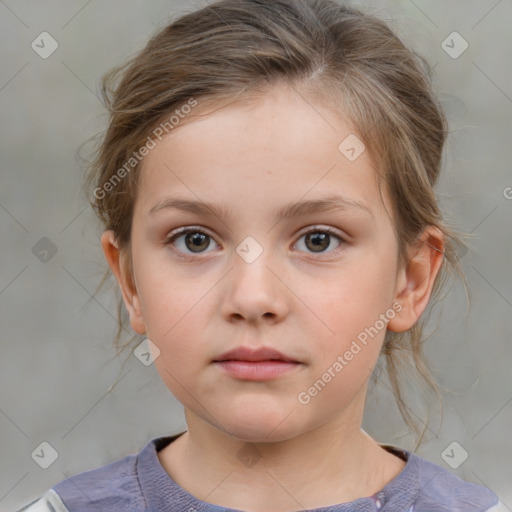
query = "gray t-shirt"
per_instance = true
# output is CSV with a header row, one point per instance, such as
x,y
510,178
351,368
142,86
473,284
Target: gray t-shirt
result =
x,y
138,483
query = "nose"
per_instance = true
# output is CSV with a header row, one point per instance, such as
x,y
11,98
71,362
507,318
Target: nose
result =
x,y
255,291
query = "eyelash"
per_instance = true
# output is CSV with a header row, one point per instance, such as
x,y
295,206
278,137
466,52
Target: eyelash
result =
x,y
190,257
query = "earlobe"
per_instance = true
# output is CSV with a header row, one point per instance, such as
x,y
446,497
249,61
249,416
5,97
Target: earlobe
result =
x,y
122,274
416,281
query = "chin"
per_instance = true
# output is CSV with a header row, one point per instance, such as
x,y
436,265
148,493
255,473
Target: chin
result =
x,y
259,425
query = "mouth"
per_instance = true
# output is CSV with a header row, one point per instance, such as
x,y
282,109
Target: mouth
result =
x,y
259,364
254,355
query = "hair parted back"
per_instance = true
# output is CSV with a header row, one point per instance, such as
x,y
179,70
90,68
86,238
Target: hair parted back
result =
x,y
329,52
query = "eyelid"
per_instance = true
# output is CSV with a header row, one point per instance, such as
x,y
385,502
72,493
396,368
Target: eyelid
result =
x,y
169,239
189,257
185,230
327,229
308,229
343,241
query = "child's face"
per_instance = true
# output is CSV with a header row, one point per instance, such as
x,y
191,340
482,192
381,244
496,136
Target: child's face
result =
x,y
309,304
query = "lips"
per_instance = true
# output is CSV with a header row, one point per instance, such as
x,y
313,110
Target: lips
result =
x,y
249,354
260,364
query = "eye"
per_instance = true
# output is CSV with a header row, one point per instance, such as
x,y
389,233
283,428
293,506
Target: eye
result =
x,y
318,240
192,239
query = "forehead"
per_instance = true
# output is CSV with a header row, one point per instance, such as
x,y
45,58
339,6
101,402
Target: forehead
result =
x,y
279,146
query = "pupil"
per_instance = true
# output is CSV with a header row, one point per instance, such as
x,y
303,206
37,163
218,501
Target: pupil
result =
x,y
319,240
197,240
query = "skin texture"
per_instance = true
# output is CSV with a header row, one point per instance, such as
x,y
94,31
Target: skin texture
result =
x,y
254,158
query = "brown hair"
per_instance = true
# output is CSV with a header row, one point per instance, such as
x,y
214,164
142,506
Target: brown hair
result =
x,y
338,55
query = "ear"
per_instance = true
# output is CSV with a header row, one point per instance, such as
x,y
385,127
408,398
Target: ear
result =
x,y
415,282
120,269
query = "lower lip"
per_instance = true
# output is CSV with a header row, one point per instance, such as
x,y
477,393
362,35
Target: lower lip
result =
x,y
257,370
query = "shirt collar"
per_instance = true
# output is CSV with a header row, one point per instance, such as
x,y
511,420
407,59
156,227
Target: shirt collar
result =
x,y
162,493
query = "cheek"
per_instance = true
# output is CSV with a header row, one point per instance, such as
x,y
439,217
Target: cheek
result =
x,y
341,368
351,313
183,348
347,301
175,316
166,297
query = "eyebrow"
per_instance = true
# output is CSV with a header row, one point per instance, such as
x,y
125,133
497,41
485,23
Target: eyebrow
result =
x,y
328,203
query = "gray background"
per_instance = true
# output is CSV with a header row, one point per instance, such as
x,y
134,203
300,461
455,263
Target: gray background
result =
x,y
57,360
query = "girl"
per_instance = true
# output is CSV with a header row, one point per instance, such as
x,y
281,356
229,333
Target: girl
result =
x,y
266,188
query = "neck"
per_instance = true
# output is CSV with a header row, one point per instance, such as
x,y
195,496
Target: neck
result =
x,y
335,462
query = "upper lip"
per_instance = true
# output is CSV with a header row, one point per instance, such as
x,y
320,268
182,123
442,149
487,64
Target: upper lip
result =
x,y
251,354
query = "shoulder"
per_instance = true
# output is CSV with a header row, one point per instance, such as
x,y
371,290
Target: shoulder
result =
x,y
49,502
131,483
434,488
114,486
